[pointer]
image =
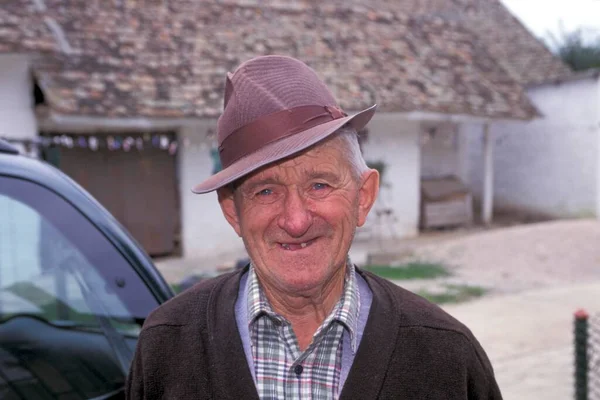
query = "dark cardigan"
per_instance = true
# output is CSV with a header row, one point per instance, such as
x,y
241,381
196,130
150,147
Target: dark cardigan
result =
x,y
190,348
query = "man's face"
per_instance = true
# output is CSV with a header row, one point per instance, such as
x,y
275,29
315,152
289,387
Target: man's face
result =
x,y
297,217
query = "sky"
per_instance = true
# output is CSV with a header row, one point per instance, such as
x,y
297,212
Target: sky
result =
x,y
543,16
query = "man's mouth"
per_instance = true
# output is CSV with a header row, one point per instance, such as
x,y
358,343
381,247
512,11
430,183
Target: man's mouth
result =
x,y
296,246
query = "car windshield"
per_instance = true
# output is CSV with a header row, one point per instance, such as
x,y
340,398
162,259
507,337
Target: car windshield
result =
x,y
71,306
52,280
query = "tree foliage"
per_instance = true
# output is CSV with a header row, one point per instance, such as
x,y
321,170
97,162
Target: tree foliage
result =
x,y
576,52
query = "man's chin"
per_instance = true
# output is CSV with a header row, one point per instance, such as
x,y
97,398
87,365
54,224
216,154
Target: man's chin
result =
x,y
303,286
307,280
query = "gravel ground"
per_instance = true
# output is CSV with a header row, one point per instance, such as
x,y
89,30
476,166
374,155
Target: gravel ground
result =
x,y
513,259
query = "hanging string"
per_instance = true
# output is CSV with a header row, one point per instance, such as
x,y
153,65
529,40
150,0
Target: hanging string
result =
x,y
166,142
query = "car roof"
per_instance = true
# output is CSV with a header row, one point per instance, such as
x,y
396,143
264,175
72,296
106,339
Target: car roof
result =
x,y
15,165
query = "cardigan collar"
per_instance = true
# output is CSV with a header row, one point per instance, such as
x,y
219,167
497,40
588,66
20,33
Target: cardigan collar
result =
x,y
230,370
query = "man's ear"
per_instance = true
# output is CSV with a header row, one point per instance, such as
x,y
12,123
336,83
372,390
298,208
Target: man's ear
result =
x,y
367,194
227,203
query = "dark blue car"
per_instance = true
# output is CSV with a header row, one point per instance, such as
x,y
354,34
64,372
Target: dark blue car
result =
x,y
75,287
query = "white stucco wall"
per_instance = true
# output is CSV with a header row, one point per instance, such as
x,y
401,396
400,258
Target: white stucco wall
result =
x,y
548,165
17,119
596,122
205,232
396,142
471,143
440,149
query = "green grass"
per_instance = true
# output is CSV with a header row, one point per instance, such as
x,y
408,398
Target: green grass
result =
x,y
52,308
176,288
453,294
413,270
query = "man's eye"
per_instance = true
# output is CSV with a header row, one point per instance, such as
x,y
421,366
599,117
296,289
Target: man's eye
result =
x,y
320,186
264,192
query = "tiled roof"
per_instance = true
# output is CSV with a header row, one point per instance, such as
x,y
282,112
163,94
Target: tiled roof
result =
x,y
23,29
521,54
525,58
168,58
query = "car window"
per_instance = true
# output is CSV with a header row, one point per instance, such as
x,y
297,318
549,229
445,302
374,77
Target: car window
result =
x,y
70,305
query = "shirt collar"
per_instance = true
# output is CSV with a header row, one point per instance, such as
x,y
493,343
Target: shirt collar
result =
x,y
258,304
346,310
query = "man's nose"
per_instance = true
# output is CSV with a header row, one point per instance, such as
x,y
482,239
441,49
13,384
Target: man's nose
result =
x,y
295,217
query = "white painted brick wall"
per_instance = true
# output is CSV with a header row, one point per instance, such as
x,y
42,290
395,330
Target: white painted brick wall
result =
x,y
550,164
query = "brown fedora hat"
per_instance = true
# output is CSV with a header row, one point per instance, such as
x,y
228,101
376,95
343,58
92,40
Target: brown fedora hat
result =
x,y
275,106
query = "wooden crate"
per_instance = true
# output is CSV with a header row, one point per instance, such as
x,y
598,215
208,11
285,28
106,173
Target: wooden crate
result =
x,y
445,202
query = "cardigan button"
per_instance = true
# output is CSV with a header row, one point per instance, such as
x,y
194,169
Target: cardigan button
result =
x,y
298,369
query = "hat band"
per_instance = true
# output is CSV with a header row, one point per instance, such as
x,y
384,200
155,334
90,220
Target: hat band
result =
x,y
272,127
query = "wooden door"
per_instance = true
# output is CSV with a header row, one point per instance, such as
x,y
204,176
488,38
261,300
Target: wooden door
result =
x,y
138,187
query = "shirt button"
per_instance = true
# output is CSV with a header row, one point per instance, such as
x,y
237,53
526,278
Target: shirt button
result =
x,y
298,369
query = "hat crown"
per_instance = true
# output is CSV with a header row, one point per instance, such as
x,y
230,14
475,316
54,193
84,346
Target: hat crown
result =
x,y
268,84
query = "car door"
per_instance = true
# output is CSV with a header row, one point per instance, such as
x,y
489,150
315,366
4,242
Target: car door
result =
x,y
71,305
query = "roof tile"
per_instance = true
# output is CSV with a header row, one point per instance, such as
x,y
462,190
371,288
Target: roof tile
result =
x,y
168,59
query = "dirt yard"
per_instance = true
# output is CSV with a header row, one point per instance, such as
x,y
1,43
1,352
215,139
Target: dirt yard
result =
x,y
510,259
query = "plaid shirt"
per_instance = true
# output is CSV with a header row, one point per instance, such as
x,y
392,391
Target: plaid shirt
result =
x,y
281,369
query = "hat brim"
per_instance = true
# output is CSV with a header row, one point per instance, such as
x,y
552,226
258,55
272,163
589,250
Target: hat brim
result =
x,y
282,148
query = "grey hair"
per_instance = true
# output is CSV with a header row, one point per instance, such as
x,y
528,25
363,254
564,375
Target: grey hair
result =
x,y
348,137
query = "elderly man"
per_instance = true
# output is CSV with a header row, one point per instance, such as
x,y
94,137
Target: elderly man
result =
x,y
301,321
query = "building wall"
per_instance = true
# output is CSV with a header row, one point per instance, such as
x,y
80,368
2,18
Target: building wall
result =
x,y
596,123
471,142
396,143
17,119
205,232
440,152
548,165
